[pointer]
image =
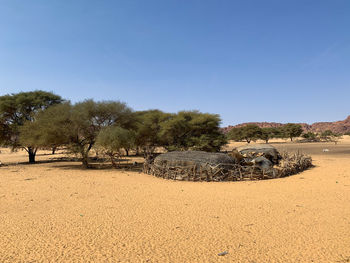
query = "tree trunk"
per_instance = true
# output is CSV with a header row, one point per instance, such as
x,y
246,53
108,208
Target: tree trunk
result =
x,y
291,139
85,156
127,152
267,141
113,162
32,153
85,160
54,149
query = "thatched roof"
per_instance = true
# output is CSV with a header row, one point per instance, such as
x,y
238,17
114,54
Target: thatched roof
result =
x,y
187,158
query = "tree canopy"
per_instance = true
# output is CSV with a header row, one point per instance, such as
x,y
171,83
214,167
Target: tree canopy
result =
x,y
113,139
77,126
18,109
269,133
249,132
193,130
292,130
148,130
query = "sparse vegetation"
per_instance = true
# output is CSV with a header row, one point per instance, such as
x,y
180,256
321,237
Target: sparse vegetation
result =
x,y
252,132
38,119
326,136
310,137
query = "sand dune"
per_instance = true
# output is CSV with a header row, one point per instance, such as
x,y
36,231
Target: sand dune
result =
x,y
57,212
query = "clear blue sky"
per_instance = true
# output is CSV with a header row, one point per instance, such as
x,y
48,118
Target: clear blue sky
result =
x,y
282,60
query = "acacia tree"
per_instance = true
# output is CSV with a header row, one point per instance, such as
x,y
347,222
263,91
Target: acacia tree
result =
x,y
51,128
89,117
268,133
330,136
77,126
291,130
148,130
113,139
249,132
193,130
18,109
311,137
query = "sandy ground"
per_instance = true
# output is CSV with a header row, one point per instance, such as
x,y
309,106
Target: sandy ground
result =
x,y
57,212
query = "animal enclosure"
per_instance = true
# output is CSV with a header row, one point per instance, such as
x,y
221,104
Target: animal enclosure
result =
x,y
204,166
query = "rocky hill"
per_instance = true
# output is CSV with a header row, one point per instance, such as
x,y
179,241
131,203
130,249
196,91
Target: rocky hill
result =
x,y
337,126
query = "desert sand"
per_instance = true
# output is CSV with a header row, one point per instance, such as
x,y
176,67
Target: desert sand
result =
x,y
58,212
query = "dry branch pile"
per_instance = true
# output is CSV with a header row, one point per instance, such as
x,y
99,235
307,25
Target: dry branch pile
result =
x,y
293,163
203,166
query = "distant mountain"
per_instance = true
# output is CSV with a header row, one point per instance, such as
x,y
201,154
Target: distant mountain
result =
x,y
337,126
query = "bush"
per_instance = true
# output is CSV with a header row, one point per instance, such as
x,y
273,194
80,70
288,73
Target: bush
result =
x,y
113,139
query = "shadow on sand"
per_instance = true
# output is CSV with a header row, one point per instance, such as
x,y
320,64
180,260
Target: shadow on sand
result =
x,y
68,163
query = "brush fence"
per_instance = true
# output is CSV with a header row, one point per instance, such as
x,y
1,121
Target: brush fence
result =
x,y
203,166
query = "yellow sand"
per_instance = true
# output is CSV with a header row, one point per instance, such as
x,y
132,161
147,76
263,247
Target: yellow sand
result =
x,y
57,212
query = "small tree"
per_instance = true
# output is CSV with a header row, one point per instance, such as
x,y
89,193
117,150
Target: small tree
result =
x,y
330,136
18,109
112,140
310,136
292,130
269,133
249,132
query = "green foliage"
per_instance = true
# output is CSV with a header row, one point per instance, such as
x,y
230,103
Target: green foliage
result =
x,y
39,119
327,133
347,133
269,133
77,126
18,109
51,128
235,134
148,129
249,132
192,130
310,136
292,130
4,133
113,139
330,136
